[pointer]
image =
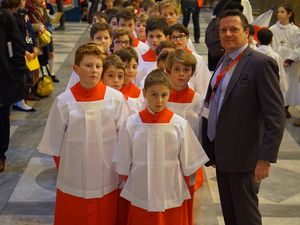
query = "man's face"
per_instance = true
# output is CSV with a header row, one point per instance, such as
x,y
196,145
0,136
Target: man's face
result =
x,y
232,34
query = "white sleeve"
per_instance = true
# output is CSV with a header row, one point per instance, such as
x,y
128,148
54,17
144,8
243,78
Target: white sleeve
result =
x,y
283,83
247,11
192,155
201,77
121,111
191,46
296,40
123,155
54,132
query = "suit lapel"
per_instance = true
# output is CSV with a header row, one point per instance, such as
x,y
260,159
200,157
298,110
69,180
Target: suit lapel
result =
x,y
237,73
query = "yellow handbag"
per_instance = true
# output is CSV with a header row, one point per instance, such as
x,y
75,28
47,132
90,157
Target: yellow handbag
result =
x,y
44,38
44,86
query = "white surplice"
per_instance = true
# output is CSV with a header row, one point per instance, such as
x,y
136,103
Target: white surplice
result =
x,y
84,135
141,48
200,80
283,83
156,157
247,11
190,111
286,42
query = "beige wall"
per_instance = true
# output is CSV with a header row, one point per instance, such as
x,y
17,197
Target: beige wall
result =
x,y
263,5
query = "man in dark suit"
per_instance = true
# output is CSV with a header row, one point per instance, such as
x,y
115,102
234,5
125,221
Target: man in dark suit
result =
x,y
245,123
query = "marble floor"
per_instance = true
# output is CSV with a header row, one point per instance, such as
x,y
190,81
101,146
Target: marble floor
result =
x,y
27,193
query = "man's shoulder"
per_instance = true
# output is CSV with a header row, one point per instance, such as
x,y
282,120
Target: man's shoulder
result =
x,y
259,57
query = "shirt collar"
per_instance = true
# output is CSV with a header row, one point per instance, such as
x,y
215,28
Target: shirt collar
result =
x,y
237,52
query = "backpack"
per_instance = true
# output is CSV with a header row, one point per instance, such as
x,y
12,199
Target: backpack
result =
x,y
212,39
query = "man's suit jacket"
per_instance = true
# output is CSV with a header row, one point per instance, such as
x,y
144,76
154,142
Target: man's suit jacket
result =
x,y
251,119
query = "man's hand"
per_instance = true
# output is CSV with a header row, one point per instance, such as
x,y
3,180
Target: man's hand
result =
x,y
262,170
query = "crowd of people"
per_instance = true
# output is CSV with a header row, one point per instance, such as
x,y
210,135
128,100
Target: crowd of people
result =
x,y
142,113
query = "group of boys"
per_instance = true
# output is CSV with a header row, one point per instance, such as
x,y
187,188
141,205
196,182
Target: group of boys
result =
x,y
122,169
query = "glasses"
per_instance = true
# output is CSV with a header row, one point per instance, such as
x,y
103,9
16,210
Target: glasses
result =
x,y
179,37
126,43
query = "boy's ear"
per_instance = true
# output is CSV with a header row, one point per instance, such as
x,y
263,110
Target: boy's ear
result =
x,y
144,92
167,37
75,68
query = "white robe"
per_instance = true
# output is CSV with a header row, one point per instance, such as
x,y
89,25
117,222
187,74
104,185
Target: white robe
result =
x,y
141,48
200,80
247,11
144,68
283,83
191,46
286,42
156,157
84,135
74,78
190,111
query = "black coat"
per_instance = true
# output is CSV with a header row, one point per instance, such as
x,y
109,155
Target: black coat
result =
x,y
12,63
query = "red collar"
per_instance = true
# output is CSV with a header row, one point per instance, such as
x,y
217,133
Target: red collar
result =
x,y
130,90
135,41
184,96
164,116
149,56
82,94
188,50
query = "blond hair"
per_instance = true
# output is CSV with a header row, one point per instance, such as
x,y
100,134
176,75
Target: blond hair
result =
x,y
168,4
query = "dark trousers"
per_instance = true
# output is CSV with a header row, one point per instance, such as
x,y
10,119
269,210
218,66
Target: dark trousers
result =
x,y
93,9
4,131
60,8
238,195
186,12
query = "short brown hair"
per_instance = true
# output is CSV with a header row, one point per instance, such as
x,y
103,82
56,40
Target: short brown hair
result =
x,y
179,28
168,4
155,77
181,56
100,26
235,12
100,14
162,57
87,49
119,32
113,60
126,14
126,54
142,18
147,4
164,44
157,23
